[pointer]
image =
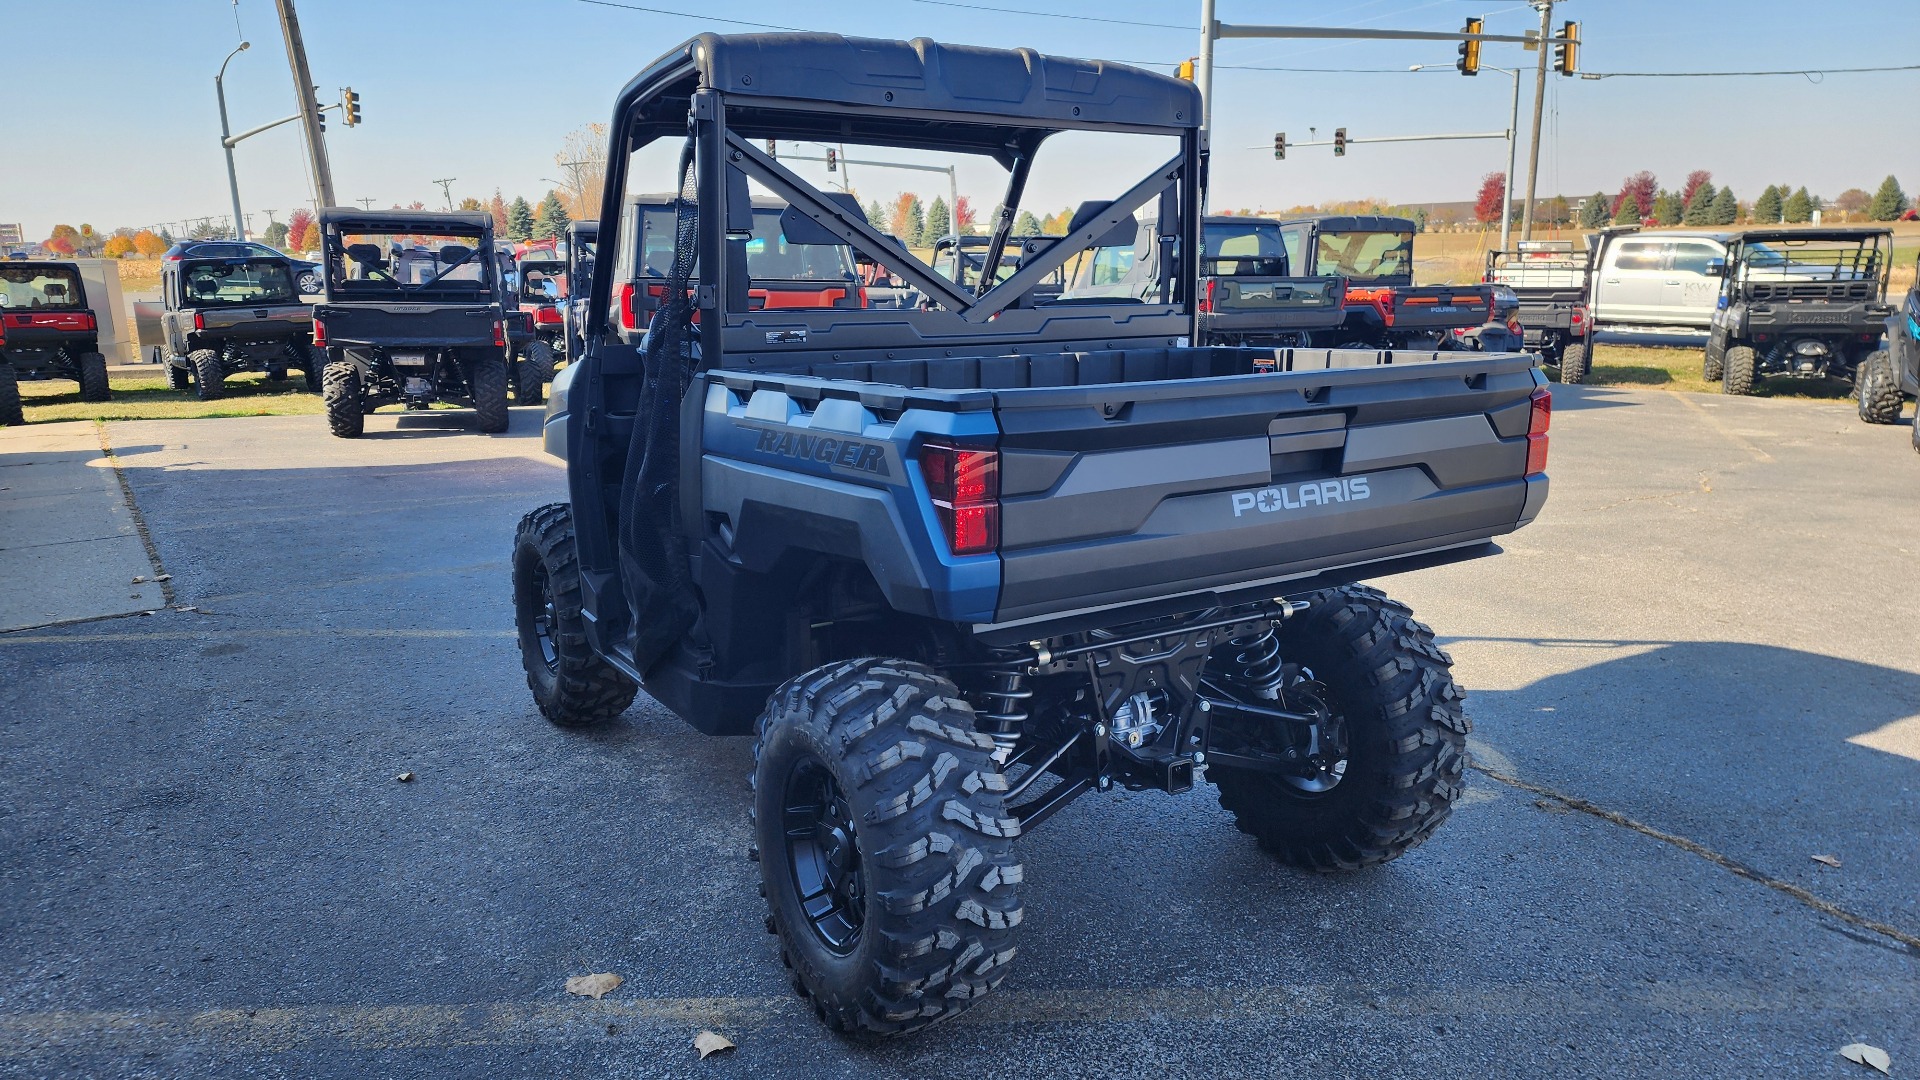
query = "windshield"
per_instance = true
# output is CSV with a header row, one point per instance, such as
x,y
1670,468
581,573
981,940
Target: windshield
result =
x,y
39,287
1364,255
543,280
769,256
445,262
962,265
1245,248
237,282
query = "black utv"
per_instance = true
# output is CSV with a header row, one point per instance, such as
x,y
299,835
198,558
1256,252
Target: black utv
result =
x,y
225,314
1891,375
412,315
1797,302
47,331
955,564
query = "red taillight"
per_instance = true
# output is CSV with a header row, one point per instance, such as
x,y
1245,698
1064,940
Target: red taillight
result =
x,y
1537,431
319,334
500,332
1513,325
1579,316
627,317
964,484
546,316
199,320
88,322
1206,302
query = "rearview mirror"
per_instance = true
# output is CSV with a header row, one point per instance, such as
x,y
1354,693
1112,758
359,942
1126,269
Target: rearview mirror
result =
x,y
1716,268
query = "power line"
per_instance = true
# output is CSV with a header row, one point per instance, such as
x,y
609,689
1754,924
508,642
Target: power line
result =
x,y
1810,74
685,15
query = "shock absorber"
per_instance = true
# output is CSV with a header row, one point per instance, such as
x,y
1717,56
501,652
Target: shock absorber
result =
x,y
1256,662
1005,703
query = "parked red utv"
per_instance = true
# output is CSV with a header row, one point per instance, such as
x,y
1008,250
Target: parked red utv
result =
x,y
46,332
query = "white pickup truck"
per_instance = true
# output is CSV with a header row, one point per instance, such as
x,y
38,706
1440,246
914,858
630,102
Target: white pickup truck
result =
x,y
1640,282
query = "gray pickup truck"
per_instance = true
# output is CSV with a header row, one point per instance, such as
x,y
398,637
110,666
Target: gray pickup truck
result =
x,y
956,564
227,314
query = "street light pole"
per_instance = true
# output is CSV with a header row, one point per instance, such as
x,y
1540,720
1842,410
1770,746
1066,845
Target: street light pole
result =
x,y
1513,146
233,180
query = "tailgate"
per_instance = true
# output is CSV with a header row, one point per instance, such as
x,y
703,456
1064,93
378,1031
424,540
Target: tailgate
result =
x,y
1248,303
1441,307
1136,491
277,321
403,325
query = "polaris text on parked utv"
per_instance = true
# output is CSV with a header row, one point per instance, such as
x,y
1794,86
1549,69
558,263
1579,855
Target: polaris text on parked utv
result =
x,y
957,563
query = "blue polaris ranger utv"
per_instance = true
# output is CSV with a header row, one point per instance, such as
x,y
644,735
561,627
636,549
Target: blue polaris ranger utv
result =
x,y
956,562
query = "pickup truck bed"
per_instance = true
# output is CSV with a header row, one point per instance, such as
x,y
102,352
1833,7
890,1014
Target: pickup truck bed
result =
x,y
1128,475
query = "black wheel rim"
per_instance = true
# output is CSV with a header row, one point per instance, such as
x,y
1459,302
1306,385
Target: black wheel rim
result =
x,y
544,617
823,856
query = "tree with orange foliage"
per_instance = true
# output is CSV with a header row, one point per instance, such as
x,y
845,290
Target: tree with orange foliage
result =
x,y
118,247
309,238
1492,200
149,243
297,223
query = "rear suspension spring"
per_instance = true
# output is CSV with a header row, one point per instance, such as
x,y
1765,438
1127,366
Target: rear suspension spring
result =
x,y
1256,662
1005,704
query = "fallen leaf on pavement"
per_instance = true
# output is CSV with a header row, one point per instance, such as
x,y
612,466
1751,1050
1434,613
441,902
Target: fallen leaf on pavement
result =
x,y
138,578
1871,1056
1827,860
594,986
708,1043
407,778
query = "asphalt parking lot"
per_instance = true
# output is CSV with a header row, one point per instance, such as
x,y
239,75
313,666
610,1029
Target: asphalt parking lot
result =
x,y
207,867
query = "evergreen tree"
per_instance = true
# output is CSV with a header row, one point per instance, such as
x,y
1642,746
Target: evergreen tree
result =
x,y
939,220
1593,214
519,220
1629,213
552,219
1700,208
1889,202
1725,209
1026,224
1766,208
915,233
1798,208
876,214
1667,208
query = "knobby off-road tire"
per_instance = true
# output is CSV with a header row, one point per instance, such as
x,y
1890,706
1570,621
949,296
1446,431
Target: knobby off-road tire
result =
x,y
1573,364
873,792
10,411
1877,386
488,384
1713,367
571,684
208,378
532,372
177,377
313,368
93,378
1741,365
340,391
1406,730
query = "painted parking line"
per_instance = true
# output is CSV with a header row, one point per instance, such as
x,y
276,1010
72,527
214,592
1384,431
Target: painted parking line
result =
x,y
249,631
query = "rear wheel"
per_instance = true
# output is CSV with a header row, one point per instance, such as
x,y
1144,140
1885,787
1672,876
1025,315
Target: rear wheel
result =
x,y
93,377
1573,364
177,378
10,411
1741,366
532,372
341,392
1877,386
208,378
571,684
1395,750
311,367
886,852
488,383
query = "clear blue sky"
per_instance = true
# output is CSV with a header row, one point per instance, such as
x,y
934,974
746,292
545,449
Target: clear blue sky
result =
x,y
133,139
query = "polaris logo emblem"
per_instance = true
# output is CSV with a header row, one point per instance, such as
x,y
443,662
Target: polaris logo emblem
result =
x,y
1294,496
844,453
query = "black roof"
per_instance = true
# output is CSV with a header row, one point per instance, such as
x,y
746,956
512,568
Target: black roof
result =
x,y
1353,223
900,90
1833,232
377,220
10,264
583,228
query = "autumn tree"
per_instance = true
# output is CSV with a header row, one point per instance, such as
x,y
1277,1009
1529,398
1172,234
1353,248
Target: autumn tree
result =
x,y
1725,209
1767,208
64,239
965,217
1852,203
1595,211
297,223
1492,200
552,219
583,161
1555,211
1026,224
151,244
118,247
309,237
1699,205
497,206
1696,180
1641,188
519,220
939,221
470,203
1798,209
1889,202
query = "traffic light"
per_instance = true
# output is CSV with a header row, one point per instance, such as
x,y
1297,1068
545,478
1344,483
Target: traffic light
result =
x,y
1469,62
1566,55
1184,71
350,107
320,111
1280,146
833,160
1339,142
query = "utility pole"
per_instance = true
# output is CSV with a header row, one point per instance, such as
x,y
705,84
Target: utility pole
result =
x,y
304,91
446,189
1539,102
366,203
